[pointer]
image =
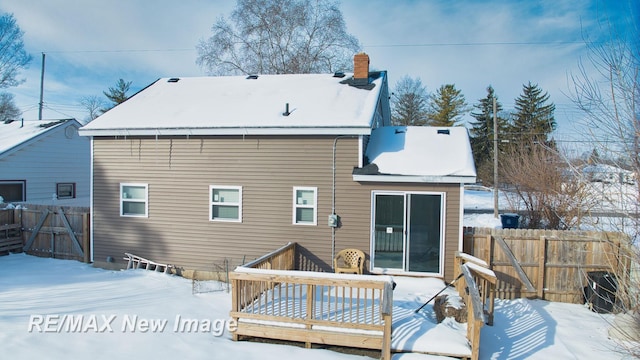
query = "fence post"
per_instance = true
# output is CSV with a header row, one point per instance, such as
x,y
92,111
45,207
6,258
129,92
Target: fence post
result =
x,y
86,242
542,260
488,249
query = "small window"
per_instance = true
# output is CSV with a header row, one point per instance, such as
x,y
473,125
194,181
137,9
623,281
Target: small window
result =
x,y
134,200
12,190
225,203
305,201
66,190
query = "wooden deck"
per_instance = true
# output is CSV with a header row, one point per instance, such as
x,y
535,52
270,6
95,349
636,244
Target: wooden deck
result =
x,y
271,300
314,308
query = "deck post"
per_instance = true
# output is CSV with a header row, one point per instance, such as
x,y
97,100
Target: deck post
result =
x,y
234,305
386,340
311,296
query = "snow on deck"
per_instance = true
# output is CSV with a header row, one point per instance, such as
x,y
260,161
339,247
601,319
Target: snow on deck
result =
x,y
411,331
420,332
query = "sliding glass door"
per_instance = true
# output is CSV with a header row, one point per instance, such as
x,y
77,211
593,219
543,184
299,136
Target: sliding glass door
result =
x,y
407,232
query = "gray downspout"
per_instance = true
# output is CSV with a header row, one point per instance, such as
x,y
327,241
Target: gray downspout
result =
x,y
333,195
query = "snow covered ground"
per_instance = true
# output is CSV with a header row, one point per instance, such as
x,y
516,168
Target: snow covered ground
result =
x,y
62,309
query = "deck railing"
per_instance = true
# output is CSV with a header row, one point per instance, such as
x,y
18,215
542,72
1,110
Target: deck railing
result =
x,y
477,288
280,259
314,308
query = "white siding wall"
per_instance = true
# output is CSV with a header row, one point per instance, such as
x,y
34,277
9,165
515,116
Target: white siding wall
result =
x,y
52,159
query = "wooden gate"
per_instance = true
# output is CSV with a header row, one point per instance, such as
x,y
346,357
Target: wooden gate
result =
x,y
57,232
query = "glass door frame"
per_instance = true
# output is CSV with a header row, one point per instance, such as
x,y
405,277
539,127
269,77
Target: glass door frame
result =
x,y
405,234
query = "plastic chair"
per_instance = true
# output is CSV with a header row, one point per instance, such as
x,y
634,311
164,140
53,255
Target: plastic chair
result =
x,y
349,261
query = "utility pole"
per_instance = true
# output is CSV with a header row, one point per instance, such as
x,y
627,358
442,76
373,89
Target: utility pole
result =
x,y
41,105
495,159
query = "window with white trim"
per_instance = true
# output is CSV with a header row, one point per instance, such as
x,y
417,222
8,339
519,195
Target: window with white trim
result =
x,y
134,200
225,203
305,205
66,190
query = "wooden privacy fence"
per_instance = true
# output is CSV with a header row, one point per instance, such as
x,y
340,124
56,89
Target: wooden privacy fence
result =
x,y
10,231
49,231
548,264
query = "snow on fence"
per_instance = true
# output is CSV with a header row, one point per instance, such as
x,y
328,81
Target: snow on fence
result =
x,y
477,289
311,307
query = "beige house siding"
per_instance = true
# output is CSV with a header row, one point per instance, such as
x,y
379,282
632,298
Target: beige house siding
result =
x,y
179,172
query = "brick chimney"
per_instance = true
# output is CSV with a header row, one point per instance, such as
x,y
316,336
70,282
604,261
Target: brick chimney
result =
x,y
361,69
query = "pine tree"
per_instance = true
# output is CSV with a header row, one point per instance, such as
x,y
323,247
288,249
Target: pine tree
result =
x,y
447,106
117,94
482,136
409,103
533,119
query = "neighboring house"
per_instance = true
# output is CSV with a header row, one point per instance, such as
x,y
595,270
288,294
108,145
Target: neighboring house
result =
x,y
199,172
44,161
608,174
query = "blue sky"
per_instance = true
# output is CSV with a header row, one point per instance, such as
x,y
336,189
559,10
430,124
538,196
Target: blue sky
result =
x,y
90,44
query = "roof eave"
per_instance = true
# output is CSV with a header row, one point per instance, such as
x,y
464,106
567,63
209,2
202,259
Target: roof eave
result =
x,y
447,179
349,130
36,137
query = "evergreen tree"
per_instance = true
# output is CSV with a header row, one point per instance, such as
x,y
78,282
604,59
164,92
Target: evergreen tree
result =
x,y
117,94
447,106
482,136
533,119
409,103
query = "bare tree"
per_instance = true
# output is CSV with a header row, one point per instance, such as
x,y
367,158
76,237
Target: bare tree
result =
x,y
13,57
94,105
409,102
279,37
610,99
541,183
607,91
8,109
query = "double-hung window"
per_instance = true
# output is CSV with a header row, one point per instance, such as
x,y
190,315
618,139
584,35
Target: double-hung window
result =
x,y
225,203
305,205
134,200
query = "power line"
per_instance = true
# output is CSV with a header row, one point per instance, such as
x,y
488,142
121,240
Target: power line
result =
x,y
517,43
490,43
117,51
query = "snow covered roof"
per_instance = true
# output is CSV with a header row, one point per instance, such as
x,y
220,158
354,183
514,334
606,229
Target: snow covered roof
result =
x,y
241,105
19,133
419,154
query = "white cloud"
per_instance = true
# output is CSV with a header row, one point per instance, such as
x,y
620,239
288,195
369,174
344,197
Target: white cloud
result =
x,y
91,44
